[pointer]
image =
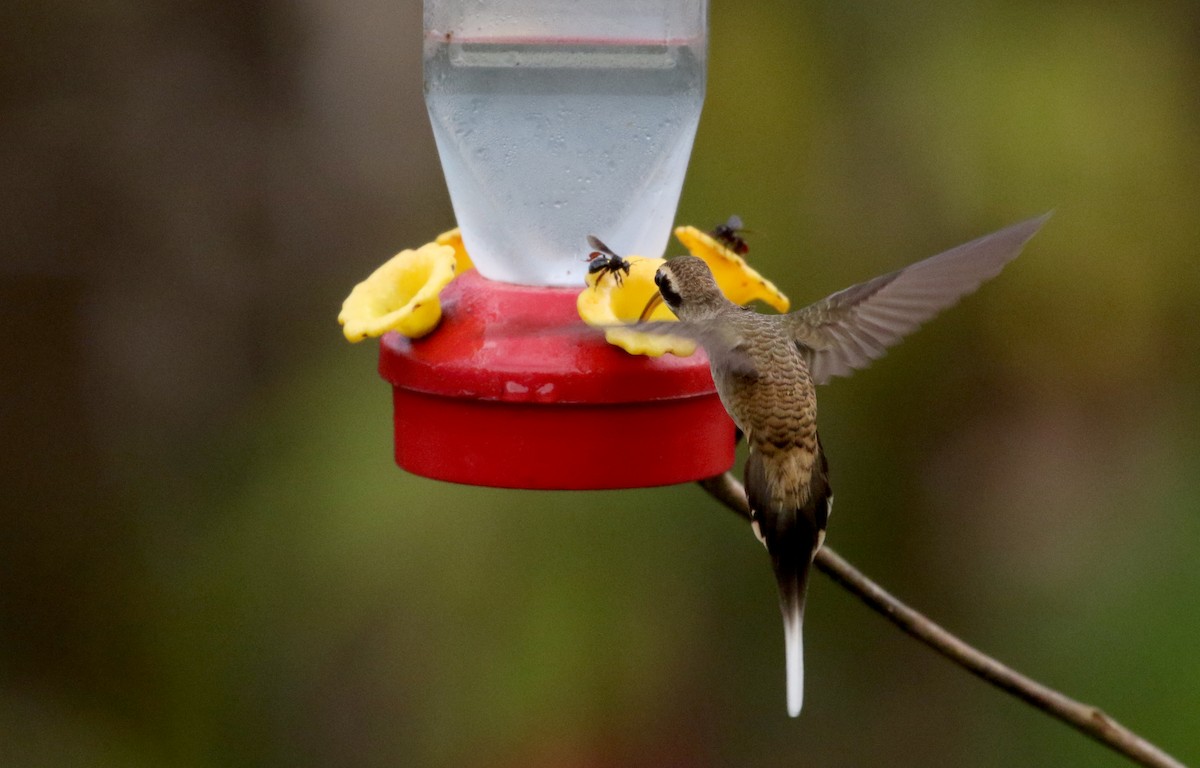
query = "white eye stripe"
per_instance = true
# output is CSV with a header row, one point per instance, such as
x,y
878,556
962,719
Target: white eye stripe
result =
x,y
667,286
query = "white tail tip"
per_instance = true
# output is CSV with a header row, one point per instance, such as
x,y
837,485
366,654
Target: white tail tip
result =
x,y
793,638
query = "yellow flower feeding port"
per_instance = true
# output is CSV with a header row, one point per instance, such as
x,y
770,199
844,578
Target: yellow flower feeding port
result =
x,y
614,299
402,295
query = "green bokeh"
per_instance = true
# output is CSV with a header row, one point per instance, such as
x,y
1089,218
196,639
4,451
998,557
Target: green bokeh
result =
x,y
270,590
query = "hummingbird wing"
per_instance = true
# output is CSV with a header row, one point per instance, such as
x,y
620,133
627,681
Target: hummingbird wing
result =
x,y
846,331
721,342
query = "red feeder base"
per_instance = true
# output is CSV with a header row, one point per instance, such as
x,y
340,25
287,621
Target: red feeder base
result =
x,y
501,395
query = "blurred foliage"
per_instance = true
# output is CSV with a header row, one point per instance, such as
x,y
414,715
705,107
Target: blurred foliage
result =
x,y
208,558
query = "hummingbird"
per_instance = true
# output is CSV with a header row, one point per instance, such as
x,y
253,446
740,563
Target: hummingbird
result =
x,y
766,369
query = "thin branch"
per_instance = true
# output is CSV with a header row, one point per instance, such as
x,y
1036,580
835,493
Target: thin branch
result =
x,y
1085,718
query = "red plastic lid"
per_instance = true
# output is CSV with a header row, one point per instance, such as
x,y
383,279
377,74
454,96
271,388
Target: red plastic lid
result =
x,y
513,390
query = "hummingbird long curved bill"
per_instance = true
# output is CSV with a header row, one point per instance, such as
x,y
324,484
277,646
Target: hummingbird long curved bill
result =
x,y
765,368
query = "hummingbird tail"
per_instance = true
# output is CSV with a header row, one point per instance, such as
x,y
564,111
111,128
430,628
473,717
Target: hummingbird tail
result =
x,y
792,535
793,638
792,576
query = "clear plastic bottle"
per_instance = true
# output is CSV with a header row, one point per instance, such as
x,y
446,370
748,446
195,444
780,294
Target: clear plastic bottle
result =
x,y
557,119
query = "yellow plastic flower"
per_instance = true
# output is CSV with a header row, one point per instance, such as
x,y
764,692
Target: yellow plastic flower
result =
x,y
605,302
402,295
740,282
453,238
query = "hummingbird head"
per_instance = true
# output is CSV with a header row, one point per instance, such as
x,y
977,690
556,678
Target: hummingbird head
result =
x,y
688,287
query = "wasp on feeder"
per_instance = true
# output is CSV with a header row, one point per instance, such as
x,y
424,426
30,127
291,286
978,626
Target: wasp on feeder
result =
x,y
603,260
729,235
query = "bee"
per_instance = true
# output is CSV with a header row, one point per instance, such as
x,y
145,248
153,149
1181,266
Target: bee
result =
x,y
602,260
729,235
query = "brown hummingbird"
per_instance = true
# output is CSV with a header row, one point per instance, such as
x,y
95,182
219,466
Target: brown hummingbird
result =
x,y
765,368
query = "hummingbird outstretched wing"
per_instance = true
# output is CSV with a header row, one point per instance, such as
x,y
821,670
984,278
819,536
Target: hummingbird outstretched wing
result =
x,y
846,331
721,343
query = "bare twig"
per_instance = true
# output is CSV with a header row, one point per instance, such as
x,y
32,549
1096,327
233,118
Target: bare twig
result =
x,y
1085,718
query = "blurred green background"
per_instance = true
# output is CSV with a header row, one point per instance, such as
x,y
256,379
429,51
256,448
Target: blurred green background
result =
x,y
207,557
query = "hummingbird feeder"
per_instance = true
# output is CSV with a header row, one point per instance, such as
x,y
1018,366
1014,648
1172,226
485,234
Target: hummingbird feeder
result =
x,y
554,120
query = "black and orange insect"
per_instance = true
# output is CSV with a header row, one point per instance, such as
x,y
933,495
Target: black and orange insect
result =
x,y
729,235
602,259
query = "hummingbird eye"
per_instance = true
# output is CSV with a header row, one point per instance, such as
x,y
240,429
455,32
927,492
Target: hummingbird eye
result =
x,y
666,286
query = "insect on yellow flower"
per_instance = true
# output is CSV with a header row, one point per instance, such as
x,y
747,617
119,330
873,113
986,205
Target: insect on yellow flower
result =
x,y
608,301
